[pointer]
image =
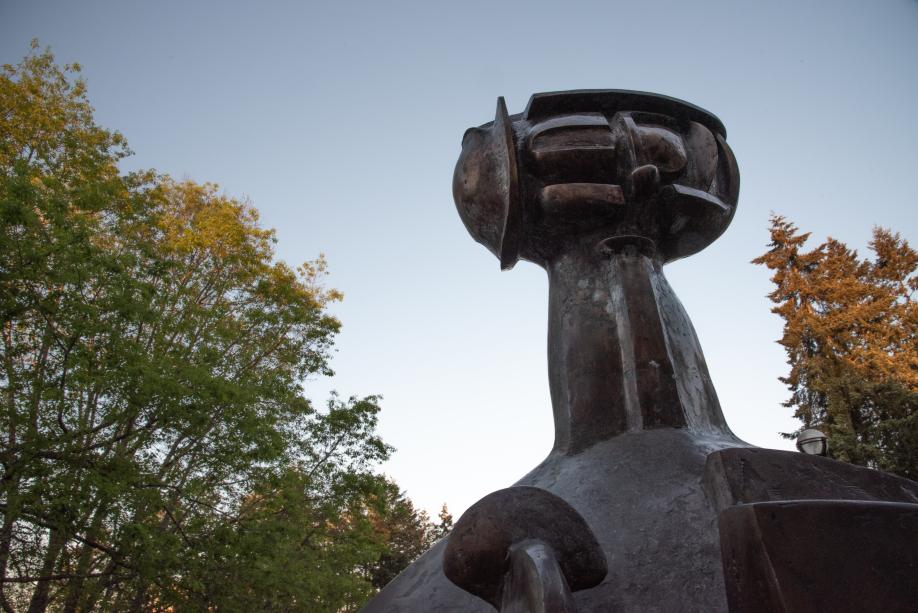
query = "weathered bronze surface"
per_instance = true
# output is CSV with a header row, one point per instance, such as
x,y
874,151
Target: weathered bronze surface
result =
x,y
602,188
580,167
802,533
802,556
750,475
524,548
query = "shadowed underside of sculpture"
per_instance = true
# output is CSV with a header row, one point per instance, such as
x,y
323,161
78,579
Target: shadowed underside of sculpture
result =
x,y
602,188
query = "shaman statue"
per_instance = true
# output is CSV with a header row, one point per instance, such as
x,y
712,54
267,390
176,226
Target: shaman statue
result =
x,y
647,501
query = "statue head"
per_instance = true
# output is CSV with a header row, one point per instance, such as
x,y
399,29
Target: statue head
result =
x,y
596,164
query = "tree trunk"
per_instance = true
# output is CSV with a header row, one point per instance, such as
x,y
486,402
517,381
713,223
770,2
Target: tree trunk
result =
x,y
39,601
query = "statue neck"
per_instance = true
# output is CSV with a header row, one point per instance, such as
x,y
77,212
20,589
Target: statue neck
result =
x,y
622,352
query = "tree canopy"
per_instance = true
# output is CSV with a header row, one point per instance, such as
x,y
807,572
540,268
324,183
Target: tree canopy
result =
x,y
851,336
158,451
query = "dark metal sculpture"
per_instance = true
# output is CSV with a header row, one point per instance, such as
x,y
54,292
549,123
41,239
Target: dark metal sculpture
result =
x,y
602,188
801,533
524,549
825,555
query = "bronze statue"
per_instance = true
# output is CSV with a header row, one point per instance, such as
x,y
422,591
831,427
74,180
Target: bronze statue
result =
x,y
602,188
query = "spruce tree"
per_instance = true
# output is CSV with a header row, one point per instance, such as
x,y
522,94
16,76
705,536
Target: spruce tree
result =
x,y
851,337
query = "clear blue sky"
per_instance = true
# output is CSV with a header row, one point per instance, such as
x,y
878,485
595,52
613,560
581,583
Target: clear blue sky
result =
x,y
342,122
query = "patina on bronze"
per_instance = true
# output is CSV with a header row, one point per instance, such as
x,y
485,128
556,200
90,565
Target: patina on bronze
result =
x,y
524,549
602,188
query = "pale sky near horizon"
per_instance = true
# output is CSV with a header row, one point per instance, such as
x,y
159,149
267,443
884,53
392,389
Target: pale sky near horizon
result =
x,y
342,123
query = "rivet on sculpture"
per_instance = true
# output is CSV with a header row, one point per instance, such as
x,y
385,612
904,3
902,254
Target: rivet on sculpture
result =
x,y
647,497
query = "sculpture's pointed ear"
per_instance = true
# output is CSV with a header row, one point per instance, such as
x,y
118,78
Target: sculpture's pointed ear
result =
x,y
486,187
513,218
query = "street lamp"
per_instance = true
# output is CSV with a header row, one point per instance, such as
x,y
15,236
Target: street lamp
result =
x,y
812,442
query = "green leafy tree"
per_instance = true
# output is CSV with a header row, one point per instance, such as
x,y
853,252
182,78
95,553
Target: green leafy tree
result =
x,y
408,532
851,336
157,450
